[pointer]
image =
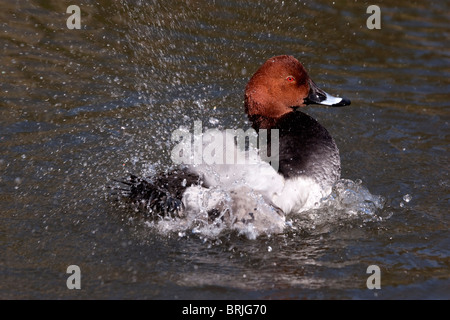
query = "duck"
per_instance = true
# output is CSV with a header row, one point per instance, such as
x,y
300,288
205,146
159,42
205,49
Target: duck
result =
x,y
259,195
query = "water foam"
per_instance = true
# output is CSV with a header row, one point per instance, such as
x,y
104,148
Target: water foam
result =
x,y
349,200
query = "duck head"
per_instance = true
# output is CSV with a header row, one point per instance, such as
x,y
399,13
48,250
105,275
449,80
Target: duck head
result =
x,y
280,86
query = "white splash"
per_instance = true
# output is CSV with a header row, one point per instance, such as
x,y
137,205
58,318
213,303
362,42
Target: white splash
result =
x,y
348,200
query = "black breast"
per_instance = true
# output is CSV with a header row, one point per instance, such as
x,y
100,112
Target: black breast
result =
x,y
307,149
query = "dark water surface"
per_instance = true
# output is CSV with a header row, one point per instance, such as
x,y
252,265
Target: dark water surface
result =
x,y
79,108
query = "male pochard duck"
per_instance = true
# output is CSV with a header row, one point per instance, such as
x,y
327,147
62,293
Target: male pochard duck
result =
x,y
257,195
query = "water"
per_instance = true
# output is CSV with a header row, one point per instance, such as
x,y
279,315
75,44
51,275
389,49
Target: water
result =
x,y
79,108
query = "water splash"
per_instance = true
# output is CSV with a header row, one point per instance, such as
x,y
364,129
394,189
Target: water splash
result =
x,y
349,202
352,198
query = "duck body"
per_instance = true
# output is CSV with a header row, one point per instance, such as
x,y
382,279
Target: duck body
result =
x,y
258,194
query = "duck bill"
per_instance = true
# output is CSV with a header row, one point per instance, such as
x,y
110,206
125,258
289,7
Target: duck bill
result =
x,y
318,96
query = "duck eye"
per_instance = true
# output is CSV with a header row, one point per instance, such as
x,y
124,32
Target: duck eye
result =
x,y
290,79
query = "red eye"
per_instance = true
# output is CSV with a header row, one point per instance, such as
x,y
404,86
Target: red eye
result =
x,y
290,79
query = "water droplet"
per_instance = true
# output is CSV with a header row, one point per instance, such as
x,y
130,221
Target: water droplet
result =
x,y
213,121
407,198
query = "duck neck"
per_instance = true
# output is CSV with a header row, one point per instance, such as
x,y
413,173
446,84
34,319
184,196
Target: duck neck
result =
x,y
261,122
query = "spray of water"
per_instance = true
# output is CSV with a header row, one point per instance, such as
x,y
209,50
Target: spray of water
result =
x,y
349,202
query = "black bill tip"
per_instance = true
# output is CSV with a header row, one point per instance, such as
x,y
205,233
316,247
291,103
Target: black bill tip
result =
x,y
344,102
318,96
